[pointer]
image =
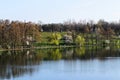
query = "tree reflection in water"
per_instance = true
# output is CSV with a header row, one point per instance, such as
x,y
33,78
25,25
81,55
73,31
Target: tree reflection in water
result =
x,y
17,63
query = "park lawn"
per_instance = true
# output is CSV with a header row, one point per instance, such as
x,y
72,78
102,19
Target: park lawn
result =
x,y
45,35
89,39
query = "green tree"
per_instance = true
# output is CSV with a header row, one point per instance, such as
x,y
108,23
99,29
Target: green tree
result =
x,y
55,38
79,40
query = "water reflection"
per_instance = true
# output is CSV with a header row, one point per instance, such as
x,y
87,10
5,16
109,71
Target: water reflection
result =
x,y
18,63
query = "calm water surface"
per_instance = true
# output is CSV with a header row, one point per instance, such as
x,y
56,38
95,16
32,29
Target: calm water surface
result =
x,y
61,64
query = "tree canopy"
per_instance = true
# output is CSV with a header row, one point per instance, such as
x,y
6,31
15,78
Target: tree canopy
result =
x,y
15,33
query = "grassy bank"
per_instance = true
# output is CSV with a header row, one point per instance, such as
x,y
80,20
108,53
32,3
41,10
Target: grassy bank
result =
x,y
45,35
90,40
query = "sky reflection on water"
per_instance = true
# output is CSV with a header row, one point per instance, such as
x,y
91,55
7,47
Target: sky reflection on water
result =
x,y
61,64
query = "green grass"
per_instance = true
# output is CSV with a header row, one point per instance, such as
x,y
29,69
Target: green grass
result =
x,y
45,35
90,39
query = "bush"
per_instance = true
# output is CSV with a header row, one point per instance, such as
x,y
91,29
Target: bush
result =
x,y
79,40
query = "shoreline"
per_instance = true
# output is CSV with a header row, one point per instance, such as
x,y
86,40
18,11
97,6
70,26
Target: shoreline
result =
x,y
41,47
49,47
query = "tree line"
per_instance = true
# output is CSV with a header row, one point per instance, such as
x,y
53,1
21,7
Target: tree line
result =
x,y
16,33
102,27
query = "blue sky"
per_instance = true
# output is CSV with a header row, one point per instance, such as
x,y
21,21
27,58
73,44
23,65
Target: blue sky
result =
x,y
55,11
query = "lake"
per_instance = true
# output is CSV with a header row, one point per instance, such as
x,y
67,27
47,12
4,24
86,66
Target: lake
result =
x,y
83,63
